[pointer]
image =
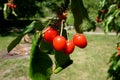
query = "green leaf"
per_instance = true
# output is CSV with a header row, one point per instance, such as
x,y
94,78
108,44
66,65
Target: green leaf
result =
x,y
111,9
62,61
109,20
18,39
29,28
14,43
103,3
86,25
65,34
112,58
79,13
6,11
40,65
60,68
45,47
40,62
115,63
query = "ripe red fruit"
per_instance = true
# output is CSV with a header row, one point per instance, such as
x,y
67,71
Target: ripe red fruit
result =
x,y
8,4
118,53
118,48
98,19
50,34
80,40
69,47
13,6
59,43
47,29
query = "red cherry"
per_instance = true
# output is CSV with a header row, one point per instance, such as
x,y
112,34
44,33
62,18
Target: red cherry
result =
x,y
47,29
59,43
98,19
13,6
118,48
8,4
69,47
50,34
80,40
118,53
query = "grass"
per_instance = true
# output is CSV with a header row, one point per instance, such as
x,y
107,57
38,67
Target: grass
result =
x,y
14,69
4,41
89,63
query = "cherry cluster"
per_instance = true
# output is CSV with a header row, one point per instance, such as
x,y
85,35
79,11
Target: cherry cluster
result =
x,y
11,5
61,44
53,33
118,48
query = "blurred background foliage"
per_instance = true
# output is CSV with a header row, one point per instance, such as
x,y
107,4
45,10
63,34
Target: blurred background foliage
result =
x,y
37,9
42,8
33,8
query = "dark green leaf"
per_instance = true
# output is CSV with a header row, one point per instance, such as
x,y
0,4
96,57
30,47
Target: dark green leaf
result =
x,y
115,63
40,62
18,39
112,57
62,61
39,25
45,47
14,43
65,34
60,68
79,13
40,66
29,28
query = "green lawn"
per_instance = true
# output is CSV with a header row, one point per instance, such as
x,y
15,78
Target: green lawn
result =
x,y
5,40
89,63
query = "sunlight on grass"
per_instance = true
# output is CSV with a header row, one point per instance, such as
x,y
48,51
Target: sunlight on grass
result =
x,y
4,41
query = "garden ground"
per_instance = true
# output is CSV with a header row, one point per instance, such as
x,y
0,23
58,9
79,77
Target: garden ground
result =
x,y
90,63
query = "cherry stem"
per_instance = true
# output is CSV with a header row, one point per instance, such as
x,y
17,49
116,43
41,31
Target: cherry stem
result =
x,y
48,23
67,31
61,30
